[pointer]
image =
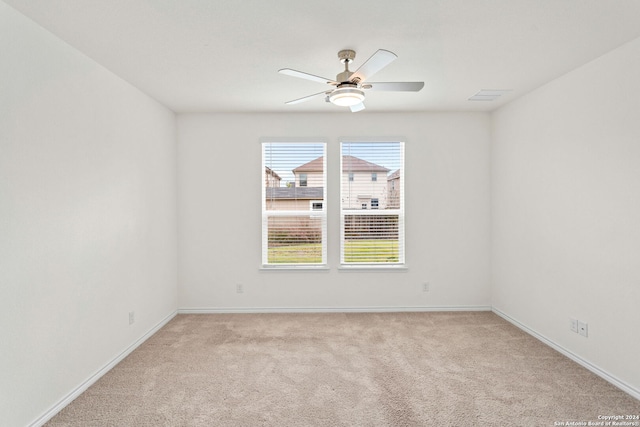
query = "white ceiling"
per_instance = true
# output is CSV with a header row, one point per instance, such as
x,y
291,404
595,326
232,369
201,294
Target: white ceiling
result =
x,y
224,55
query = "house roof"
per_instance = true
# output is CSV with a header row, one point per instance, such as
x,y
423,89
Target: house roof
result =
x,y
305,193
355,164
349,164
395,175
271,172
312,166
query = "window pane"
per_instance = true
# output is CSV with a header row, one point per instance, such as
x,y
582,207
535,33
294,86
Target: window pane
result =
x,y
372,215
369,171
371,238
293,203
295,239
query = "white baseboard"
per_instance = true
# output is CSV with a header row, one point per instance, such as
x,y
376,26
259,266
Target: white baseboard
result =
x,y
214,310
97,375
627,388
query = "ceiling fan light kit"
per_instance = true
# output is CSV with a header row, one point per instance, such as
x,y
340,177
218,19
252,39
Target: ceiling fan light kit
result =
x,y
346,96
349,86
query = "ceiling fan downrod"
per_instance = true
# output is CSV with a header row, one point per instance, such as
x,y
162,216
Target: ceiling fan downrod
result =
x,y
346,56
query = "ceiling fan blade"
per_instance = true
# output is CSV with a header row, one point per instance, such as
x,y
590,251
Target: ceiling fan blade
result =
x,y
377,62
357,107
306,98
395,86
302,75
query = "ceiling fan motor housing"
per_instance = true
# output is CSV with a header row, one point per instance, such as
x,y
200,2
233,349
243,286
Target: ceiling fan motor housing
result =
x,y
344,77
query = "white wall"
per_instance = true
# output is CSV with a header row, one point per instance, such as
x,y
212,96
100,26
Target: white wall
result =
x,y
88,214
87,217
447,190
566,211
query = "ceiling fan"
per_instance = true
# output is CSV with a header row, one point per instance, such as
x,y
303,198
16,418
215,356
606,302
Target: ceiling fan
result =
x,y
349,86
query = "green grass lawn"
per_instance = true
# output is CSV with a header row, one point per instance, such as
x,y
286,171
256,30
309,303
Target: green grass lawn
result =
x,y
296,254
354,251
371,251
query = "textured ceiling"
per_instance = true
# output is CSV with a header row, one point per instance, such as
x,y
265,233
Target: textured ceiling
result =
x,y
208,55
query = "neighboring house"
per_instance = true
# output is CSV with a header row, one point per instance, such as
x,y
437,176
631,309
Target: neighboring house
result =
x,y
365,186
393,190
271,178
309,174
294,198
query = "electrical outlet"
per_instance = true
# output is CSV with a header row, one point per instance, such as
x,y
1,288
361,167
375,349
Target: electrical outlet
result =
x,y
132,317
573,325
239,288
582,328
425,287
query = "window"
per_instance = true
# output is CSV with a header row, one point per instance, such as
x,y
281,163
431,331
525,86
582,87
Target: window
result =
x,y
294,221
375,236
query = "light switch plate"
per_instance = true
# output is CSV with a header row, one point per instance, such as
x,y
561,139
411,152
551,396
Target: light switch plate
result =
x,y
573,325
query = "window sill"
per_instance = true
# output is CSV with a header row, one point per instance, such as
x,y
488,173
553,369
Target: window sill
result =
x,y
322,268
371,267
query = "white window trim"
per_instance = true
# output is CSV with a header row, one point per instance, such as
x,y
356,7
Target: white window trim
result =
x,y
265,266
373,267
396,266
290,267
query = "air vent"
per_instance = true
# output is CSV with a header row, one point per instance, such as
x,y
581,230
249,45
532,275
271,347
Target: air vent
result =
x,y
489,94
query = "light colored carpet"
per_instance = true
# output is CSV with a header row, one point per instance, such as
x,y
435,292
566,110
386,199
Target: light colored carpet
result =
x,y
344,369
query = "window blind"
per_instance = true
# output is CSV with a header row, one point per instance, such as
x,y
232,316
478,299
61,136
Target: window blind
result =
x,y
372,203
294,213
